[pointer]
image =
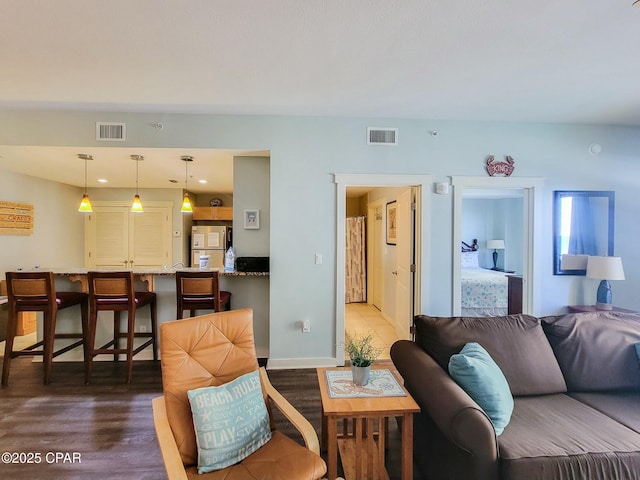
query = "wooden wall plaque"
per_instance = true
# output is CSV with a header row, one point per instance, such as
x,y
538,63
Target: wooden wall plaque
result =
x,y
16,218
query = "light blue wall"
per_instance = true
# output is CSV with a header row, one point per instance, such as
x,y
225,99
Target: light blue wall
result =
x,y
306,151
496,218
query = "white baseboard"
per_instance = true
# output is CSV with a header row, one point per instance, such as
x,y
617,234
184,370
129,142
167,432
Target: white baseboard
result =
x,y
290,363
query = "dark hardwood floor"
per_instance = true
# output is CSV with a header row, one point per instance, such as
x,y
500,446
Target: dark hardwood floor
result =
x,y
106,428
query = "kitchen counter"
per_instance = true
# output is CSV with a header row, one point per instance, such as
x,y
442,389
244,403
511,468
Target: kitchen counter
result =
x,y
145,274
249,289
145,271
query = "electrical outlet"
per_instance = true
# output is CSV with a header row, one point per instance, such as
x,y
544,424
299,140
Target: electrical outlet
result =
x,y
306,326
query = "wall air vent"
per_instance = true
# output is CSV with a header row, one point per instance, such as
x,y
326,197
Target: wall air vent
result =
x,y
382,136
111,131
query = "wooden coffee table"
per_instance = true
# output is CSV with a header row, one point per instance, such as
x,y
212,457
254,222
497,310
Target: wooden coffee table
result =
x,y
362,447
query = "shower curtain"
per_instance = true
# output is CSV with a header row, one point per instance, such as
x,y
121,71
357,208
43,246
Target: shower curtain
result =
x,y
356,264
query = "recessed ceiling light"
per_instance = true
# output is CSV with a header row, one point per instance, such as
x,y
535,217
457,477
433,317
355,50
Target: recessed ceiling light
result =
x,y
204,181
102,180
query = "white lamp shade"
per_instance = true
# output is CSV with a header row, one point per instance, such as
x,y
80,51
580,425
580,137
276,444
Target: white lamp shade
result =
x,y
495,244
605,268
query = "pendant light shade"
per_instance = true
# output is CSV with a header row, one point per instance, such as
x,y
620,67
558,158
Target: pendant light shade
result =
x,y
85,203
186,201
136,206
186,204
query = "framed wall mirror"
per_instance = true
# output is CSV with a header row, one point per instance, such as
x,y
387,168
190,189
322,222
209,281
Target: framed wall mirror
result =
x,y
582,226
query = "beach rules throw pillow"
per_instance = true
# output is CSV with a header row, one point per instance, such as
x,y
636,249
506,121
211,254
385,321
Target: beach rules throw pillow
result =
x,y
231,421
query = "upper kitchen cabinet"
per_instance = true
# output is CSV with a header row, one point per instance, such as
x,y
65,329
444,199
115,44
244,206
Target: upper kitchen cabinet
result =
x,y
213,213
115,237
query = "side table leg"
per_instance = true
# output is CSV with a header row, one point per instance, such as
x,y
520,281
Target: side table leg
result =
x,y
332,447
323,432
407,446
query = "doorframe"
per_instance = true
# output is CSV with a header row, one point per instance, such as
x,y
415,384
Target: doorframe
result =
x,y
532,224
342,181
371,210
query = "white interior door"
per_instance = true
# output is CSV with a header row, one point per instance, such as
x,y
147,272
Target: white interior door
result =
x,y
404,261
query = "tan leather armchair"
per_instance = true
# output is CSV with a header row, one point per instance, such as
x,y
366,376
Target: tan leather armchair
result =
x,y
212,350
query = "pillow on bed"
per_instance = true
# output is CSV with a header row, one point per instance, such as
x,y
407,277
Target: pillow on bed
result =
x,y
470,260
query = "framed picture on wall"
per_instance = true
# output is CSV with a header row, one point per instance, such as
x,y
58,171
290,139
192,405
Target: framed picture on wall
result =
x,y
252,219
392,217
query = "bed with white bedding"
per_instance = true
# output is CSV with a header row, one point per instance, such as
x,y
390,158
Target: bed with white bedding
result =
x,y
484,292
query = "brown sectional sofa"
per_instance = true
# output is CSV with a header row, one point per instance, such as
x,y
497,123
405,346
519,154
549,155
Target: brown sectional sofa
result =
x,y
575,380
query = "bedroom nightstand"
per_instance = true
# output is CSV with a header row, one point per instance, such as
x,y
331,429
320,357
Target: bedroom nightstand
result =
x,y
514,294
592,308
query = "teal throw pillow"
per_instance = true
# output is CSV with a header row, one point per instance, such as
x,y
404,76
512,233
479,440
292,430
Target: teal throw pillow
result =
x,y
478,375
231,421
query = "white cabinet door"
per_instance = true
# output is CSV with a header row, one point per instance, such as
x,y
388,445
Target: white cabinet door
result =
x,y
115,237
107,237
149,244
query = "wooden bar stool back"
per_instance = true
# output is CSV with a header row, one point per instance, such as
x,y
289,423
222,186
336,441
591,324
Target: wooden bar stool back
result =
x,y
35,292
115,291
200,291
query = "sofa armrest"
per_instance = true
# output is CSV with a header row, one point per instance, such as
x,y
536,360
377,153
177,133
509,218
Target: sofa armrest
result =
x,y
170,454
456,415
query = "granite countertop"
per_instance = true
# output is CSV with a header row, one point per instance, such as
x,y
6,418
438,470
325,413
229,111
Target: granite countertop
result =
x,y
147,271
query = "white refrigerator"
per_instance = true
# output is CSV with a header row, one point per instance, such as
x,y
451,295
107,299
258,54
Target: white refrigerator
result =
x,y
209,240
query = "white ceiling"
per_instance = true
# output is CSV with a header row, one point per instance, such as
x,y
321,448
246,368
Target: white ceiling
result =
x,y
571,61
159,167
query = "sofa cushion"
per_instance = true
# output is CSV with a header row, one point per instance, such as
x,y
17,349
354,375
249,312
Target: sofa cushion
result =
x,y
596,350
555,437
621,406
516,343
478,375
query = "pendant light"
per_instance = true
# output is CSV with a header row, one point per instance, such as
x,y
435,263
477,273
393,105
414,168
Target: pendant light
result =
x,y
85,204
136,206
186,202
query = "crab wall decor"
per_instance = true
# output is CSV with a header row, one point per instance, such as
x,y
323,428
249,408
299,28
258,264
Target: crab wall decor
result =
x,y
500,168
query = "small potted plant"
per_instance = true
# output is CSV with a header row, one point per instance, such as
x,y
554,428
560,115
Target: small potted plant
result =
x,y
362,353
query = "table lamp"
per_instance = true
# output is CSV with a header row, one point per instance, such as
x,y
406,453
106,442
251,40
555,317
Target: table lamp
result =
x,y
573,262
604,269
495,245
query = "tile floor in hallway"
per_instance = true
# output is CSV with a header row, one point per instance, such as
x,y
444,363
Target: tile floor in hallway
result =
x,y
362,318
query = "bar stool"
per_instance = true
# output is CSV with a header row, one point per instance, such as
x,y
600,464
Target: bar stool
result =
x,y
200,291
35,292
115,291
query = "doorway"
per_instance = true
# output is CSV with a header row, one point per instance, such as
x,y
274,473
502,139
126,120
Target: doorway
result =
x,y
400,245
531,220
379,264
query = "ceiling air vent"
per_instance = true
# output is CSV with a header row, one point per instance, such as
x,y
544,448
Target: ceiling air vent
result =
x,y
382,136
111,131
